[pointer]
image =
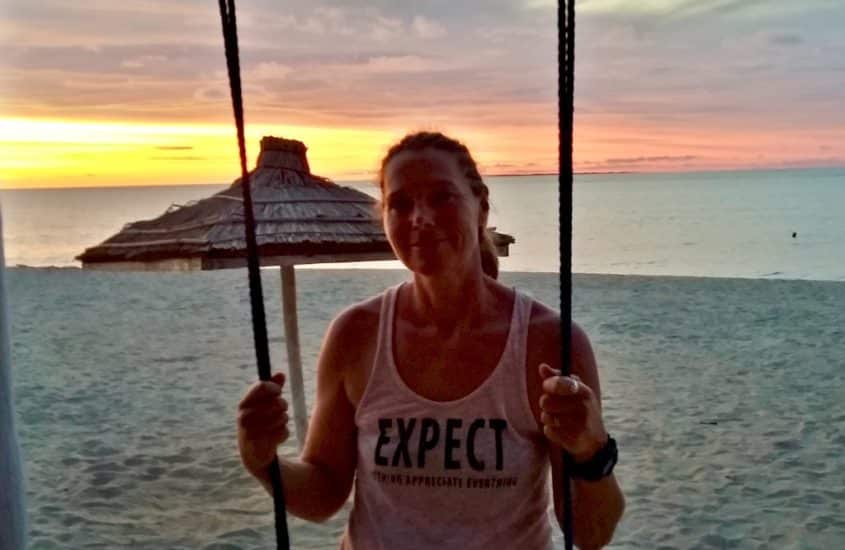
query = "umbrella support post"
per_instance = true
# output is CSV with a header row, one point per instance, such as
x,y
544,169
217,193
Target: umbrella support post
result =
x,y
12,505
294,376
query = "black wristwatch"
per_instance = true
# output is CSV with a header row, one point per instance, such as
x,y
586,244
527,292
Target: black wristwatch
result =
x,y
599,466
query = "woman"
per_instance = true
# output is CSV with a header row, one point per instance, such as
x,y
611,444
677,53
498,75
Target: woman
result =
x,y
441,399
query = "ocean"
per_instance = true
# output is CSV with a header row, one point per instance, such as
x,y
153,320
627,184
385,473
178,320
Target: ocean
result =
x,y
720,341
717,224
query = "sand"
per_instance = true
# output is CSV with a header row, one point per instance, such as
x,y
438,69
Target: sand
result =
x,y
724,395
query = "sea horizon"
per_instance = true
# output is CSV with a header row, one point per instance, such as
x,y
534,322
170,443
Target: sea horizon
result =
x,y
508,175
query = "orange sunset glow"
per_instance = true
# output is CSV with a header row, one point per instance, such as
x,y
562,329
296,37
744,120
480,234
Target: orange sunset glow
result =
x,y
79,153
95,94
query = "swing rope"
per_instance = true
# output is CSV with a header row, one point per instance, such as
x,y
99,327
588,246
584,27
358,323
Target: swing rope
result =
x,y
259,325
566,110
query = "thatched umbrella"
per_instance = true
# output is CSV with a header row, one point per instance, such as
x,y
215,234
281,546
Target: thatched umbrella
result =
x,y
300,218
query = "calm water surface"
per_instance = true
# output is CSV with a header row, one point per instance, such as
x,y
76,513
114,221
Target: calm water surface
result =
x,y
723,224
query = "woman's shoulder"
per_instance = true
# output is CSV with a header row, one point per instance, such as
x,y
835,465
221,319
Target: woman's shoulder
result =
x,y
350,345
352,333
543,317
357,321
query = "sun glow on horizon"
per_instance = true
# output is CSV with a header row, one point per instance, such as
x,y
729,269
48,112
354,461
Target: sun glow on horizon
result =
x,y
51,153
67,153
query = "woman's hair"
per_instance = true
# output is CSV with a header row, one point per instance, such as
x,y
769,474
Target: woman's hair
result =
x,y
439,142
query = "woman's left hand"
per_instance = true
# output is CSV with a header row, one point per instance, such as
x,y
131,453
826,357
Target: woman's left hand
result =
x,y
571,414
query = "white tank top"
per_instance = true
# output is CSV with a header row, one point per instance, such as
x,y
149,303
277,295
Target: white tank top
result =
x,y
468,474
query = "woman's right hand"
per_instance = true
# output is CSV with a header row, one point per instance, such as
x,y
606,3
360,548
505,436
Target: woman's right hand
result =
x,y
262,424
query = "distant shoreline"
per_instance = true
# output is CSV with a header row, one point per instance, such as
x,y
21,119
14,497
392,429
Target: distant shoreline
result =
x,y
368,181
591,173
363,270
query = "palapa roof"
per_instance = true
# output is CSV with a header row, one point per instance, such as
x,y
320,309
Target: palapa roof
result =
x,y
300,218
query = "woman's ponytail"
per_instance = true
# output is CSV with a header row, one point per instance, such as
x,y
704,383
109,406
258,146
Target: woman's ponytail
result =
x,y
489,255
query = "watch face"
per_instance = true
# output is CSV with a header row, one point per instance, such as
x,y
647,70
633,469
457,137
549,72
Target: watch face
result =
x,y
611,460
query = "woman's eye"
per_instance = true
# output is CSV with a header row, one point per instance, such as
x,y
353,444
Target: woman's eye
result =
x,y
400,204
442,197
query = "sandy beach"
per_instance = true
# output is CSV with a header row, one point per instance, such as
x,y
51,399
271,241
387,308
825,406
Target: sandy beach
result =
x,y
724,394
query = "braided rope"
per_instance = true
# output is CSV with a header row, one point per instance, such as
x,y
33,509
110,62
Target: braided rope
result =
x,y
566,95
259,323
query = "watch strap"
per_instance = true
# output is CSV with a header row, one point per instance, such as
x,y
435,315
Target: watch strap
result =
x,y
599,466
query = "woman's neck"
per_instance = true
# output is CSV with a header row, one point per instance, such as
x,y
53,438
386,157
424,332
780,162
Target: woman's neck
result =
x,y
448,304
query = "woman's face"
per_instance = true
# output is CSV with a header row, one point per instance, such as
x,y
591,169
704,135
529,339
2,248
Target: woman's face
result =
x,y
431,217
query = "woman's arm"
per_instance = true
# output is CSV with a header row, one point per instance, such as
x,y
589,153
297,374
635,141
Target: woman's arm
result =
x,y
597,505
317,485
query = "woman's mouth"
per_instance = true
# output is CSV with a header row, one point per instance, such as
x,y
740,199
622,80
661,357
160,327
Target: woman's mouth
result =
x,y
427,242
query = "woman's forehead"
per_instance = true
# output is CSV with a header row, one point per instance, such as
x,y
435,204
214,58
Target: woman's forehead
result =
x,y
423,165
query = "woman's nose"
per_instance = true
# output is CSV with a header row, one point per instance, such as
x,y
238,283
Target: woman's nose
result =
x,y
422,216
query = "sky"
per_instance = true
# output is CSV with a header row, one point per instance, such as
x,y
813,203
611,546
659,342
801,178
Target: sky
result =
x,y
136,93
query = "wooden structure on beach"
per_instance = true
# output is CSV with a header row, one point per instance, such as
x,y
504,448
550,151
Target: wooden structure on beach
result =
x,y
13,521
300,218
